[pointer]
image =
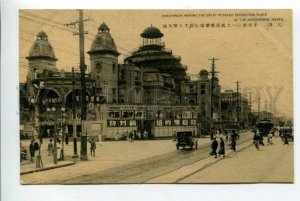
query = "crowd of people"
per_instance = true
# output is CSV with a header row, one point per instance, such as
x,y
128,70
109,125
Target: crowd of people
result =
x,y
230,139
258,140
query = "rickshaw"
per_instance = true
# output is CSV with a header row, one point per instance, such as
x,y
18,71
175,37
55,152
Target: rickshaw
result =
x,y
186,139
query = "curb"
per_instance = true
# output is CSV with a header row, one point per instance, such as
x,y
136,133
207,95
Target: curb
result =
x,y
47,168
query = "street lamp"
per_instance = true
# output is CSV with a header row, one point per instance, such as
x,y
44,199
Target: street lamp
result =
x,y
57,112
39,162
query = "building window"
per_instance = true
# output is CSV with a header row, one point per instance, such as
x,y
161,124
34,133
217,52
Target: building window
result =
x,y
98,67
114,91
99,90
202,91
191,89
114,68
137,76
122,74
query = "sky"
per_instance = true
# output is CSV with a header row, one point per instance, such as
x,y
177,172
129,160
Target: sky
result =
x,y
259,57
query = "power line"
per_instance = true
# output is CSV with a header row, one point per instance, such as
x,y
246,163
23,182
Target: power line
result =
x,y
62,28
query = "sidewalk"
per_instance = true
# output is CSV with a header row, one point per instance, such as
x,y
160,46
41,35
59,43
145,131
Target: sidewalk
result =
x,y
28,167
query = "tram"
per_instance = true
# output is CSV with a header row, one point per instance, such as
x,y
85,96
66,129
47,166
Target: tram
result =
x,y
264,126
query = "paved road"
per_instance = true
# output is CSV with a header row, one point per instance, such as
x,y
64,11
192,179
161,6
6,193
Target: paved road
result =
x,y
147,170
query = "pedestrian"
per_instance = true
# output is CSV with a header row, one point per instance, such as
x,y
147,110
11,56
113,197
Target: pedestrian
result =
x,y
100,138
117,136
212,135
256,140
50,148
226,135
31,150
261,139
270,135
23,153
214,146
67,139
93,147
36,148
222,148
146,134
285,138
130,136
233,141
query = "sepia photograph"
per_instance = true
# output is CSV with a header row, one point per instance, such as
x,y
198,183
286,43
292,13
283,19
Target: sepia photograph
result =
x,y
139,96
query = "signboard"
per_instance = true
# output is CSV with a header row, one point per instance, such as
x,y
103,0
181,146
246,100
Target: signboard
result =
x,y
176,122
121,123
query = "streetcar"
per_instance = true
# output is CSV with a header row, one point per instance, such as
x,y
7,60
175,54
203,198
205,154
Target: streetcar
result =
x,y
264,126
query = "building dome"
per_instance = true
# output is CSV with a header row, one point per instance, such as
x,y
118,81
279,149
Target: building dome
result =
x,y
41,48
203,72
152,32
103,42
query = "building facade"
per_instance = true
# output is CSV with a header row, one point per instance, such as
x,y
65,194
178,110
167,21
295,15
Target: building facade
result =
x,y
150,91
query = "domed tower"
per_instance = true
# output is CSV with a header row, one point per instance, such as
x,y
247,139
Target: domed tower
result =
x,y
41,57
152,39
203,74
104,64
152,54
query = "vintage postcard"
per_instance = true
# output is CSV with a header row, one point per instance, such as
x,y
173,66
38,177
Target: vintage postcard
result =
x,y
156,96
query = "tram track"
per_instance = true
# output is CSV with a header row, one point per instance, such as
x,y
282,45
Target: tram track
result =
x,y
145,170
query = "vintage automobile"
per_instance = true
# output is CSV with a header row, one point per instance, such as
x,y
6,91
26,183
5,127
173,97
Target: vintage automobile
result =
x,y
186,139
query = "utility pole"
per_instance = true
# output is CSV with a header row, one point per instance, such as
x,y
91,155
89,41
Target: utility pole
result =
x,y
250,104
75,155
83,151
213,76
258,107
238,102
250,111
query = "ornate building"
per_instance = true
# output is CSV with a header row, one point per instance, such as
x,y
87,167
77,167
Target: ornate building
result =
x,y
150,91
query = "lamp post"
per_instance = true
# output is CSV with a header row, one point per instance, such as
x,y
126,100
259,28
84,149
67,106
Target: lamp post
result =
x,y
57,112
37,103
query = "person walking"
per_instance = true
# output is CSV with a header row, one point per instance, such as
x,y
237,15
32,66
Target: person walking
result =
x,y
93,147
222,148
67,139
31,150
214,146
261,139
233,138
36,147
50,148
100,138
270,142
285,139
256,140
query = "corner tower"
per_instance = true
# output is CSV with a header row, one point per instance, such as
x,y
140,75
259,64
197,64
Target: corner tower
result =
x,y
41,59
104,64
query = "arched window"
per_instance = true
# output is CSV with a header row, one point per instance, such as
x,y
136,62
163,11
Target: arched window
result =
x,y
98,67
114,68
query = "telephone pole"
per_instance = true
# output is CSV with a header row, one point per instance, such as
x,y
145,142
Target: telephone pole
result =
x,y
250,103
238,102
258,107
213,76
83,151
75,155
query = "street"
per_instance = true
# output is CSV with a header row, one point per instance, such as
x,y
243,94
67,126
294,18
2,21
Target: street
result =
x,y
158,161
